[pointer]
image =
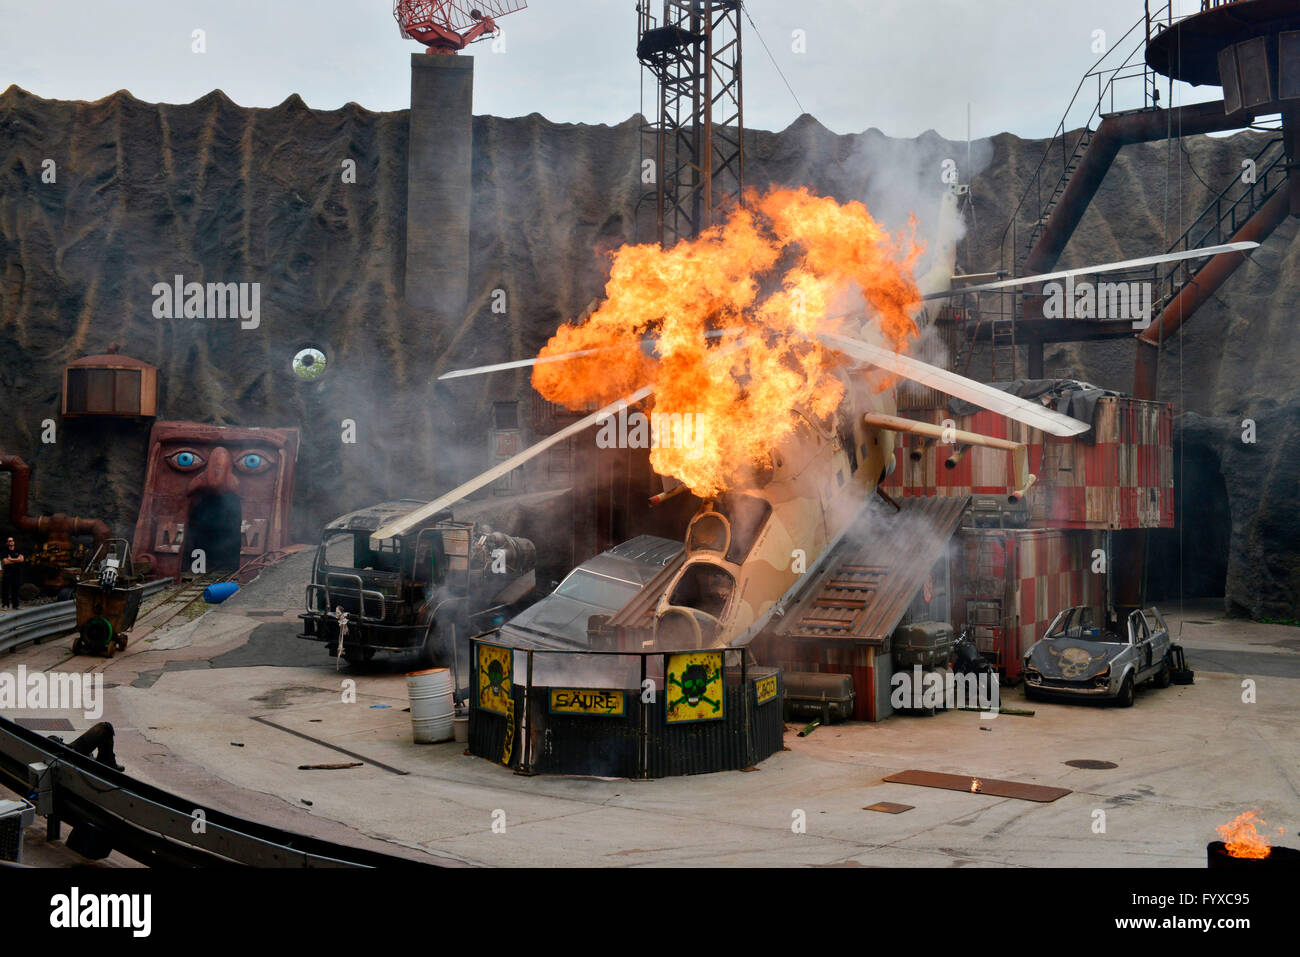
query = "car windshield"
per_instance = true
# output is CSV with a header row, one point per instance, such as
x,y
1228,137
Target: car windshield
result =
x,y
597,590
1080,623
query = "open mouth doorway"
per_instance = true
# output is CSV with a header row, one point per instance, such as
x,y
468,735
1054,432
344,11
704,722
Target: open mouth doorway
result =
x,y
215,526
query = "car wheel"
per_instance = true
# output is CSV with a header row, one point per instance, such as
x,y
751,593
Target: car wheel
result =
x,y
1126,693
1030,693
1166,676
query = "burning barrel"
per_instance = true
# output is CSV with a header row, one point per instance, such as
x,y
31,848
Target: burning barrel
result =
x,y
1245,847
1218,857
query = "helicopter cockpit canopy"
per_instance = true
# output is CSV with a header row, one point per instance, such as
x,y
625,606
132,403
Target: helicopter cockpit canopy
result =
x,y
709,532
703,586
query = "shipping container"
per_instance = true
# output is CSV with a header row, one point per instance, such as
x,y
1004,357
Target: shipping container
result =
x,y
1118,475
1008,584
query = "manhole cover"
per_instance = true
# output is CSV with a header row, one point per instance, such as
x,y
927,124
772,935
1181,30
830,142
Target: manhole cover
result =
x,y
1092,765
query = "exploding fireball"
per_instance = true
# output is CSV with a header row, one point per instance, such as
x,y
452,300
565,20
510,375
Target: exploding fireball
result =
x,y
771,273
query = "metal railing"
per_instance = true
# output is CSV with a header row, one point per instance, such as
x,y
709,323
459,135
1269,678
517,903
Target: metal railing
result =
x,y
49,621
1217,223
361,591
1132,66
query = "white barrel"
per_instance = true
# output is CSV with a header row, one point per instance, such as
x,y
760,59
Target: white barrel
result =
x,y
432,707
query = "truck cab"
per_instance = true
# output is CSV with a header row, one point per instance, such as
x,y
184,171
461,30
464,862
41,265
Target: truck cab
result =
x,y
419,592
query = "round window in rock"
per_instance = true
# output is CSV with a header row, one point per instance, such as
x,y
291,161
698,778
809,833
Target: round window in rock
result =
x,y
309,364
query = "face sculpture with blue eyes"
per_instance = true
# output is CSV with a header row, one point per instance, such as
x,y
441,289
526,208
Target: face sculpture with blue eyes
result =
x,y
216,468
192,464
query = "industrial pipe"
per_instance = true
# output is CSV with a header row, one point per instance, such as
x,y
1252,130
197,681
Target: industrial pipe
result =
x,y
57,526
1114,133
1019,452
1203,284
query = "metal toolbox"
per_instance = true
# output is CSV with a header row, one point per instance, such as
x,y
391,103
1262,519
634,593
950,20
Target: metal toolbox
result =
x,y
925,643
816,694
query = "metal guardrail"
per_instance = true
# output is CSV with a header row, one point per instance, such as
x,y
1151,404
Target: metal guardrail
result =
x,y
153,826
48,621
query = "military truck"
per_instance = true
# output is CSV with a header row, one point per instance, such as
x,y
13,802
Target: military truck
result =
x,y
425,591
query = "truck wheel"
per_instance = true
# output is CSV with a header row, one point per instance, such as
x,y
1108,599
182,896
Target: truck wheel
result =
x,y
1126,693
1166,676
357,657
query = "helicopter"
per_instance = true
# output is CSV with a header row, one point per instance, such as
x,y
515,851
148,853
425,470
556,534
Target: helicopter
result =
x,y
757,535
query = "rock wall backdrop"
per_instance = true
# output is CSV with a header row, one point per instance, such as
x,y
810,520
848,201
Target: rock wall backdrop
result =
x,y
214,191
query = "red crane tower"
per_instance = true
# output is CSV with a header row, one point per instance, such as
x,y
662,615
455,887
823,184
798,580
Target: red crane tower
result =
x,y
447,26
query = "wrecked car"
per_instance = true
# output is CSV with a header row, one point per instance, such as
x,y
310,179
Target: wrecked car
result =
x,y
1082,656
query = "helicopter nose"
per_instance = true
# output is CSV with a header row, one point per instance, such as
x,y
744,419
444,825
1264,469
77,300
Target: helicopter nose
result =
x,y
219,476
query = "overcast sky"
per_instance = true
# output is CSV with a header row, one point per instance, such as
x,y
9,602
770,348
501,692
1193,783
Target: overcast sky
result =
x,y
903,66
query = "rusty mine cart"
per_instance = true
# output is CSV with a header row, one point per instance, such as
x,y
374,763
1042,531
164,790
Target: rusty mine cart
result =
x,y
421,592
108,597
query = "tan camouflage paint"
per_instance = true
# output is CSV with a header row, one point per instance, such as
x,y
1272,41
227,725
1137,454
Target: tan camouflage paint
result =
x,y
815,492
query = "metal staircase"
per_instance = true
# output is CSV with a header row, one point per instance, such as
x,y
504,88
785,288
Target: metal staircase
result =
x,y
1071,164
1221,218
1115,74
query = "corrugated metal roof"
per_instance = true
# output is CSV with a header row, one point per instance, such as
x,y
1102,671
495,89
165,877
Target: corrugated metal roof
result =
x,y
876,571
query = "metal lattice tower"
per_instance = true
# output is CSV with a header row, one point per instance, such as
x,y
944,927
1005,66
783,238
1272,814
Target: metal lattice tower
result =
x,y
693,54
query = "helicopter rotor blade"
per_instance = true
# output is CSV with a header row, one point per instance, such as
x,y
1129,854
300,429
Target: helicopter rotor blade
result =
x,y
408,521
1033,414
518,364
564,356
405,523
1104,267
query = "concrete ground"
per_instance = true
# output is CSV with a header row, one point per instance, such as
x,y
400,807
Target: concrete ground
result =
x,y
1187,758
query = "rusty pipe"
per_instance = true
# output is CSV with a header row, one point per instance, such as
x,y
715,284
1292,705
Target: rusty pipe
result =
x,y
58,525
1114,133
18,491
1203,284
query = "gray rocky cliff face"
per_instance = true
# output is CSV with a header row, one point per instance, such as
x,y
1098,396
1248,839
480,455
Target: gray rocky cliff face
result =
x,y
218,192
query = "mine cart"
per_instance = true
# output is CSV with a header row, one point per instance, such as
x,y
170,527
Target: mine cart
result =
x,y
422,591
108,600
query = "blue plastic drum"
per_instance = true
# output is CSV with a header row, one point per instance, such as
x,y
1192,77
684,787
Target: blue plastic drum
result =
x,y
216,594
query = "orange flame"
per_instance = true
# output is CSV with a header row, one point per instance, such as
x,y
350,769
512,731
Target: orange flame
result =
x,y
1240,838
774,270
